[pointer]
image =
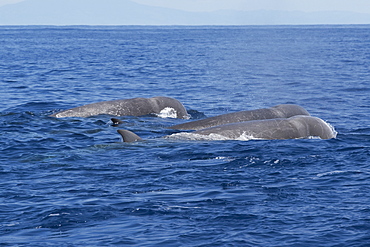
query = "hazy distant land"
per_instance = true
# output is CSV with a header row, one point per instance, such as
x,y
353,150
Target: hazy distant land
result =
x,y
125,12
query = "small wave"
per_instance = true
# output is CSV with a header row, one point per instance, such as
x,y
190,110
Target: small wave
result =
x,y
356,89
336,173
57,214
210,137
10,224
224,158
196,137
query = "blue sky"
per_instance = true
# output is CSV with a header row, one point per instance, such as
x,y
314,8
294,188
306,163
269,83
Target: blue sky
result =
x,y
361,6
194,12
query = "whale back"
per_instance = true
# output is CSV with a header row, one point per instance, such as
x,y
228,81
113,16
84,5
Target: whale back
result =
x,y
161,103
267,129
289,110
279,128
312,127
126,107
295,127
279,111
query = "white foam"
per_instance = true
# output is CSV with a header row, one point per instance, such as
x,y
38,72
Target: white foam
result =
x,y
312,137
246,137
222,158
335,133
53,215
196,137
210,137
167,112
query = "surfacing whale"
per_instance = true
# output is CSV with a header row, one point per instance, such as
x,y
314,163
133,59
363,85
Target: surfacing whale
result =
x,y
128,107
296,127
278,111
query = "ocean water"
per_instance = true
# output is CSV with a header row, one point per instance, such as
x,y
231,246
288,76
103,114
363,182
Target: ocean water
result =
x,y
73,182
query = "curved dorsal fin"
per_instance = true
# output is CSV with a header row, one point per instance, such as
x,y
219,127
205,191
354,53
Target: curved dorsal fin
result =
x,y
129,136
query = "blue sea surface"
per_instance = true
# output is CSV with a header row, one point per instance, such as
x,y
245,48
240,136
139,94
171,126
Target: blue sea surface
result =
x,y
73,182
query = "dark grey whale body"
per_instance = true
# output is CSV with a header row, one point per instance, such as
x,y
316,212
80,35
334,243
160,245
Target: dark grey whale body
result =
x,y
127,107
301,126
129,136
295,127
279,111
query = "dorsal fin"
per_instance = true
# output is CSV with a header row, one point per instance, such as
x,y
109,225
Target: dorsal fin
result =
x,y
116,121
129,136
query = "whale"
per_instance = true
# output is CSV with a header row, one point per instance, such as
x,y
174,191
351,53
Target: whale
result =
x,y
128,107
116,121
129,136
296,127
278,111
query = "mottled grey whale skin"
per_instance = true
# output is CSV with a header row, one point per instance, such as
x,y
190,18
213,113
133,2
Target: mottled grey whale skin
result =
x,y
301,126
279,111
126,107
